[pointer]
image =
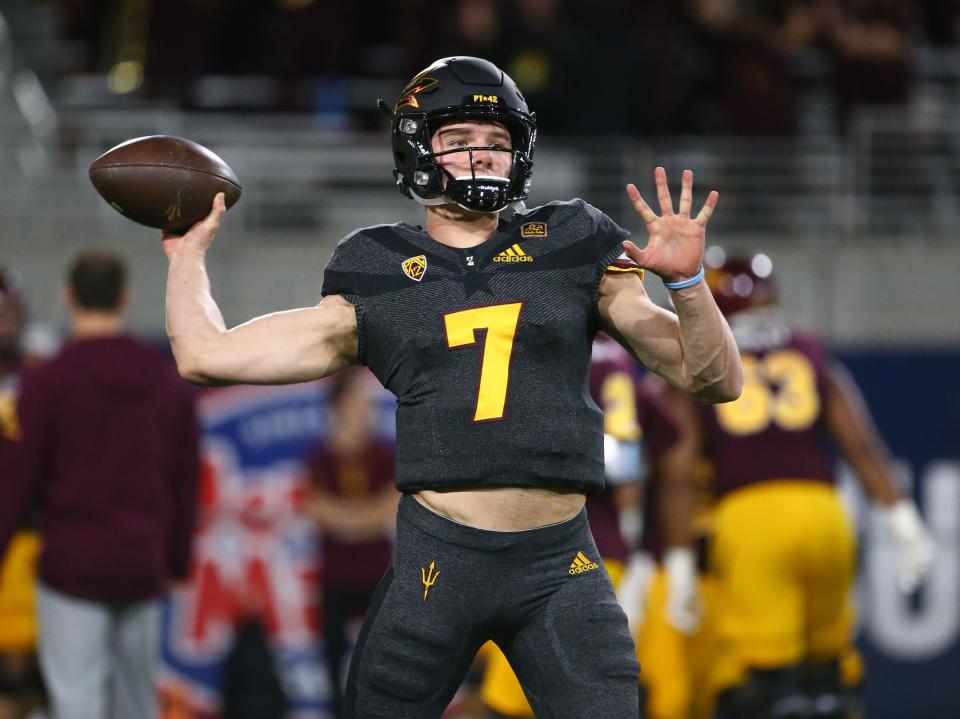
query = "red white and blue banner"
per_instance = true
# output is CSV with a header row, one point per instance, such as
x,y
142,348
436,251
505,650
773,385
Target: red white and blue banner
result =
x,y
255,554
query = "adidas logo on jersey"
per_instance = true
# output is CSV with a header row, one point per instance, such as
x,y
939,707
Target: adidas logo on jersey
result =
x,y
513,254
581,564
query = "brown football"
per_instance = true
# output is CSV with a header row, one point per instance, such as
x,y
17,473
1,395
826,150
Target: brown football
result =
x,y
163,181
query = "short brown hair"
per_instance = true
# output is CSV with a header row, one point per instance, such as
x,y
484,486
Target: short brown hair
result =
x,y
97,278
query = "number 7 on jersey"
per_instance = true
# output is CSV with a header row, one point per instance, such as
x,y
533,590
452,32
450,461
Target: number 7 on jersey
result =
x,y
500,321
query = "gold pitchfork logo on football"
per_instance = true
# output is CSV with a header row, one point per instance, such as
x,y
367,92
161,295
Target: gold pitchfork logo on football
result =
x,y
428,578
415,267
173,211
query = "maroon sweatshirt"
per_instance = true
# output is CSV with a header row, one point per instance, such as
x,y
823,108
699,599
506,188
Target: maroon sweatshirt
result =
x,y
108,461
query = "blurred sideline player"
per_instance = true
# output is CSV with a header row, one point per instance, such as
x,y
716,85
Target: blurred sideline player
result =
x,y
354,503
108,461
783,548
674,643
20,684
640,434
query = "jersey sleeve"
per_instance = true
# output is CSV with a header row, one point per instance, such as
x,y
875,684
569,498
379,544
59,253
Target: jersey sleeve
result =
x,y
605,245
343,273
623,264
606,236
343,276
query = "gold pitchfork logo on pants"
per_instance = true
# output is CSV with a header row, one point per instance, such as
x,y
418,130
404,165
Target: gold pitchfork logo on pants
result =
x,y
429,578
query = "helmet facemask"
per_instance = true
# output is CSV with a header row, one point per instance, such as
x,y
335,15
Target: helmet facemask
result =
x,y
433,184
479,192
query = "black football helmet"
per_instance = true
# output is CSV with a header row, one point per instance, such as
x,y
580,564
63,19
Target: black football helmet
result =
x,y
451,90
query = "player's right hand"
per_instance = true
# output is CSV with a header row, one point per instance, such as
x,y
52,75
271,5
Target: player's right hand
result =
x,y
199,237
684,604
632,589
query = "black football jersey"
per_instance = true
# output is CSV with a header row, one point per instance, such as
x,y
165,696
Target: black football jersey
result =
x,y
487,349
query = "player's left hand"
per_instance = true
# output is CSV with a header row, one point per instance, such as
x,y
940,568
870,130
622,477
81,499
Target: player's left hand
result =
x,y
675,242
913,545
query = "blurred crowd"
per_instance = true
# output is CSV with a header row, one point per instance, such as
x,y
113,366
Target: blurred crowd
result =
x,y
599,66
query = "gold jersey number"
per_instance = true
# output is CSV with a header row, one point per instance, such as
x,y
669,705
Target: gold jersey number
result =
x,y
500,322
618,393
9,424
779,389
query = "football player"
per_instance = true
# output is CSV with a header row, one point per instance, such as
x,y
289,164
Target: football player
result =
x,y
481,325
782,551
21,687
676,641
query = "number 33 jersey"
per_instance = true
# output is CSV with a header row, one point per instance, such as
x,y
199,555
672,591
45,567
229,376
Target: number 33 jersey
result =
x,y
487,349
776,429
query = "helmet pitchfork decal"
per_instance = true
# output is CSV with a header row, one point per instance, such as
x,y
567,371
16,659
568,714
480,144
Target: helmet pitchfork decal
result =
x,y
408,98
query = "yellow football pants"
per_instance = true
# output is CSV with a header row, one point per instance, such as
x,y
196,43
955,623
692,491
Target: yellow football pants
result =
x,y
18,580
783,559
674,667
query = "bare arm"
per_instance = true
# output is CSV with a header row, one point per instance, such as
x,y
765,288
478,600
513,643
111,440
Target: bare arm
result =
x,y
850,424
694,349
355,520
677,493
279,348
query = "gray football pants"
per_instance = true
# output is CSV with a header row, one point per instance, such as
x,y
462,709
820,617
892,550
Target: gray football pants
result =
x,y
542,595
98,660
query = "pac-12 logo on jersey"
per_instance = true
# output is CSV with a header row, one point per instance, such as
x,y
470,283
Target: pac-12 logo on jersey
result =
x,y
533,229
415,267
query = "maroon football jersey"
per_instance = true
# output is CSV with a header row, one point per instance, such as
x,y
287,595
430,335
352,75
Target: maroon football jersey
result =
x,y
775,430
631,412
360,476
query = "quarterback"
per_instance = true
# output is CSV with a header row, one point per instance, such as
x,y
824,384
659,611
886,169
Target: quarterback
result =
x,y
481,325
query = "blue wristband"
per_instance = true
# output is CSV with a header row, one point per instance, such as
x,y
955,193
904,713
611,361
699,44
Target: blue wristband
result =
x,y
685,283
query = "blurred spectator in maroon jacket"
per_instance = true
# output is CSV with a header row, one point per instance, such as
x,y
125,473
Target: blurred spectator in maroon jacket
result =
x,y
355,505
871,52
108,458
753,46
472,27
